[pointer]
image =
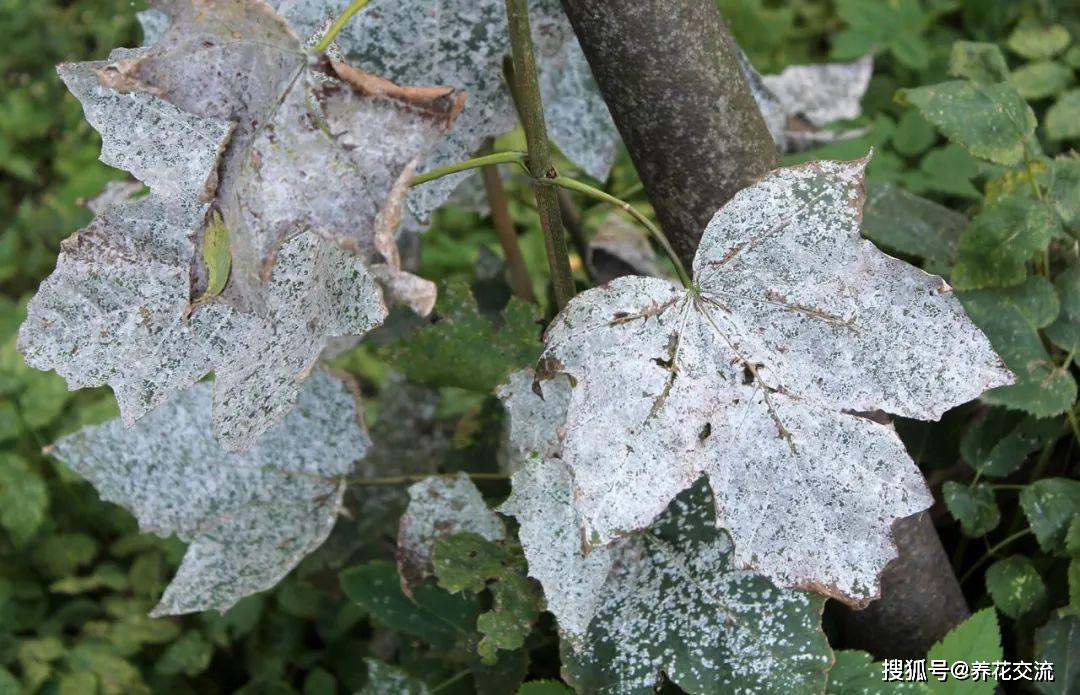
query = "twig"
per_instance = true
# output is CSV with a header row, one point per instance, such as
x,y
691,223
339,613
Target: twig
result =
x,y
474,163
339,24
531,110
504,229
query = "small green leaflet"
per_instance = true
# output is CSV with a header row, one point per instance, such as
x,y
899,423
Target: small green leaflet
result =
x,y
217,256
1016,587
996,247
974,507
983,113
1050,505
998,445
1059,642
976,639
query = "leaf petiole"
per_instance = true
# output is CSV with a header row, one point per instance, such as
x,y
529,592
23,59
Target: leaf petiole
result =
x,y
519,158
339,24
603,196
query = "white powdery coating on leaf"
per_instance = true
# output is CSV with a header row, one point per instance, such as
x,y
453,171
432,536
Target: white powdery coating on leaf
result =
x,y
823,93
318,291
174,153
154,24
673,604
758,381
249,518
440,507
801,100
667,603
541,501
112,311
462,43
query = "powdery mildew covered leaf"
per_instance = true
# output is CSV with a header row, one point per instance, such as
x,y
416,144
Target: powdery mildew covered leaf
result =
x,y
111,313
667,601
318,291
541,501
799,102
674,603
440,507
248,518
462,43
758,378
308,163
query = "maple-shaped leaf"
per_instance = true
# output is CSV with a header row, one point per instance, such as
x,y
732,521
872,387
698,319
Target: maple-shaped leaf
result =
x,y
668,600
307,163
760,377
799,102
248,518
463,43
440,507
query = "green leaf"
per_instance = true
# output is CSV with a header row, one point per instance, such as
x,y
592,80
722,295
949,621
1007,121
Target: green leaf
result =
x,y
1050,505
982,63
105,576
672,602
1062,182
991,121
948,169
996,247
1059,643
23,498
9,684
1072,538
1063,118
975,508
1016,587
544,688
904,222
1041,79
60,555
464,348
384,679
913,134
896,25
36,658
468,562
1011,318
189,656
217,256
432,614
508,623
998,444
976,639
1033,42
320,682
856,673
1065,331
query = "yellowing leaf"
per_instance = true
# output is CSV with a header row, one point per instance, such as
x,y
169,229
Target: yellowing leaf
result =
x,y
216,256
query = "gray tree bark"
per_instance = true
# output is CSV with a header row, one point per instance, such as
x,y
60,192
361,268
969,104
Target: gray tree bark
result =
x,y
669,72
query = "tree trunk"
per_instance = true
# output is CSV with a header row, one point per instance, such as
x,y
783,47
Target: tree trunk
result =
x,y
669,72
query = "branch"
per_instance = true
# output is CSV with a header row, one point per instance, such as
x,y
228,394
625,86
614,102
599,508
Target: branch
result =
x,y
504,229
531,110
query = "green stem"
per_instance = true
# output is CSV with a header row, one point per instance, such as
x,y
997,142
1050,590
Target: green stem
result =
x,y
530,106
339,24
598,194
407,479
992,551
474,163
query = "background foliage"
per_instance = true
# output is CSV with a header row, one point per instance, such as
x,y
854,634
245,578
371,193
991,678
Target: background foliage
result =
x,y
77,579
